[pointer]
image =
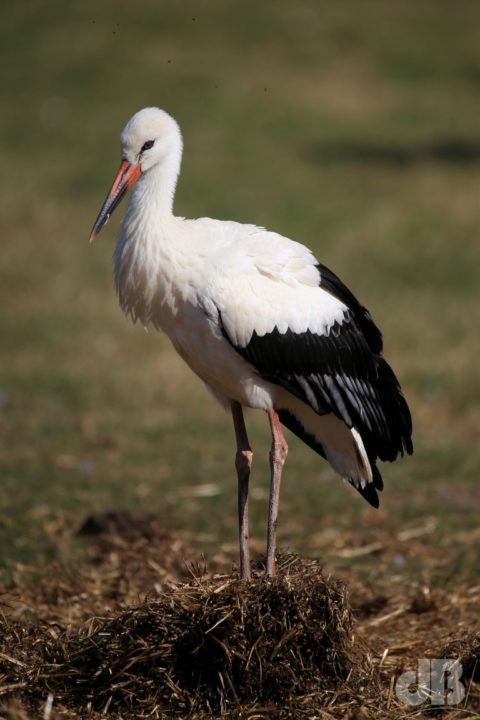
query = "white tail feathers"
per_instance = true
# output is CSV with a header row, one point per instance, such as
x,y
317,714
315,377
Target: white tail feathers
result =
x,y
343,447
364,461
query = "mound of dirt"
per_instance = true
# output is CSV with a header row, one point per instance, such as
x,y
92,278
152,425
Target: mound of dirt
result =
x,y
127,623
209,646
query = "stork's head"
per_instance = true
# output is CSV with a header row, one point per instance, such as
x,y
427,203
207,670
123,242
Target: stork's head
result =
x,y
151,138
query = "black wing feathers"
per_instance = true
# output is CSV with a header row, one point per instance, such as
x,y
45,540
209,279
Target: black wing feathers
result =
x,y
341,371
333,285
338,373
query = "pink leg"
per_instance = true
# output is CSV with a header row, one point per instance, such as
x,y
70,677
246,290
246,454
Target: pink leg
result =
x,y
243,463
278,455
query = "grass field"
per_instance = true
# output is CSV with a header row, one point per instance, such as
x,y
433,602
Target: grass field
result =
x,y
352,128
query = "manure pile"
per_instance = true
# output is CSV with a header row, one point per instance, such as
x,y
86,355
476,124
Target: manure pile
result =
x,y
208,647
121,627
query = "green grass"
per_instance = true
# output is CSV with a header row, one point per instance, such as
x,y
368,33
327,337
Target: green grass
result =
x,y
351,128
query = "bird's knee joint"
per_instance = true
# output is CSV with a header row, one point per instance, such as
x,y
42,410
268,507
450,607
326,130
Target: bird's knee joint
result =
x,y
243,460
278,453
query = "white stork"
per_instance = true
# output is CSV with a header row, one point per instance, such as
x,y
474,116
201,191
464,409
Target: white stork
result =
x,y
260,320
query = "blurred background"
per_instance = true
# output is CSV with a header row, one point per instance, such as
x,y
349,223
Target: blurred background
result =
x,y
351,128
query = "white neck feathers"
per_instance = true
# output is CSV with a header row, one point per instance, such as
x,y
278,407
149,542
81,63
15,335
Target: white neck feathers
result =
x,y
148,241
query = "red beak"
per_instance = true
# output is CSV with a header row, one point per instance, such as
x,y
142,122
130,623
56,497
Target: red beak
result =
x,y
126,177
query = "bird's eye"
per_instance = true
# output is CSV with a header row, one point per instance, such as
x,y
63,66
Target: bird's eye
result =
x,y
147,145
